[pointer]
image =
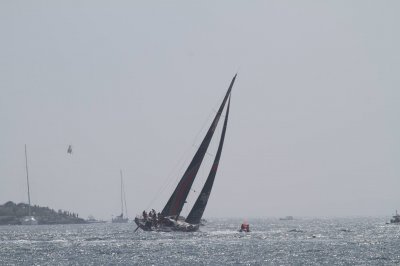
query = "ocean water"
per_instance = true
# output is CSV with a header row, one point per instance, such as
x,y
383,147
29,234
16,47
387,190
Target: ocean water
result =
x,y
347,241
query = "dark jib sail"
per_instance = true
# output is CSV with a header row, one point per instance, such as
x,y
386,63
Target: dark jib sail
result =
x,y
177,200
197,211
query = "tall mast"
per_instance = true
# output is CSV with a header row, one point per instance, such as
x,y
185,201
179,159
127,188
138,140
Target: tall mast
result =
x,y
123,190
27,181
122,201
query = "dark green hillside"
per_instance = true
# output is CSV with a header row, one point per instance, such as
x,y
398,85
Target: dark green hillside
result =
x,y
11,213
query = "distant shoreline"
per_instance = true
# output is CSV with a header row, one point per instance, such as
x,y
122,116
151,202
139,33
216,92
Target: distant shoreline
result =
x,y
12,214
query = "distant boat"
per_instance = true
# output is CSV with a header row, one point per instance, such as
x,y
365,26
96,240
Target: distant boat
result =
x,y
287,218
396,219
296,230
28,220
92,220
245,227
168,219
120,218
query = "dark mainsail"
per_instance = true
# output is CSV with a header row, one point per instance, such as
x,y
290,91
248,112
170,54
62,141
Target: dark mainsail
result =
x,y
197,211
177,200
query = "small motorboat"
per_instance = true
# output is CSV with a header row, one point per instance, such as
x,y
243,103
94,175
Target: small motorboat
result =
x,y
245,227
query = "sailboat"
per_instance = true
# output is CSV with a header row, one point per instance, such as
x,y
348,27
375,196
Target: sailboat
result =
x,y
28,220
396,219
169,219
120,218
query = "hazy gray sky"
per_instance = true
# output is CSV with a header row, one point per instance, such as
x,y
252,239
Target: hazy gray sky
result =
x,y
314,124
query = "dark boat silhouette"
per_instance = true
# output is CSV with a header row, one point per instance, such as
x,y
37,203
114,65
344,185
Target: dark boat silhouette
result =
x,y
169,219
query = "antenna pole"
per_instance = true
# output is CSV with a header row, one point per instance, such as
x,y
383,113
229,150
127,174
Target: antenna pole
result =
x,y
27,181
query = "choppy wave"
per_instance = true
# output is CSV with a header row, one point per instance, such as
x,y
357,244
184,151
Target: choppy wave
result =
x,y
361,241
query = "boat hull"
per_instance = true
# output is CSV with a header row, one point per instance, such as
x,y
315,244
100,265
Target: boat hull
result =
x,y
168,225
29,220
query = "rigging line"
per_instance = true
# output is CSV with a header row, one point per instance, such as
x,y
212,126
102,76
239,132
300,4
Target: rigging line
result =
x,y
219,128
168,180
208,153
214,110
184,156
206,164
210,116
204,126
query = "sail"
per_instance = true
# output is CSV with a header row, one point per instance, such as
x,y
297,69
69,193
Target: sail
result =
x,y
200,205
177,200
